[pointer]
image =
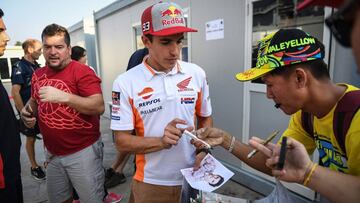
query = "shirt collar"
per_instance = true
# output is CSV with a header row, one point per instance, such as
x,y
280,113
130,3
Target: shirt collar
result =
x,y
35,64
150,72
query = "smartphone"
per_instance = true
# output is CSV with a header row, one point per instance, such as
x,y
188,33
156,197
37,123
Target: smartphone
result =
x,y
281,163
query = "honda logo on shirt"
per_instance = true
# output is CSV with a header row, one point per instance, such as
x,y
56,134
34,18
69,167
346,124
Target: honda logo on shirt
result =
x,y
183,85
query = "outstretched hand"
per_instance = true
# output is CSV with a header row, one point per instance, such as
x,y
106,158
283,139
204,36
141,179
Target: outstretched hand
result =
x,y
213,136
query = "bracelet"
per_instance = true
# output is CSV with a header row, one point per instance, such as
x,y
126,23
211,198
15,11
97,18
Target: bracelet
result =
x,y
308,177
205,150
231,147
307,171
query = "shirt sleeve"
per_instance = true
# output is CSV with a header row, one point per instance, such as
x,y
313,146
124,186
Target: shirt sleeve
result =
x,y
88,83
17,75
203,105
352,145
296,131
122,117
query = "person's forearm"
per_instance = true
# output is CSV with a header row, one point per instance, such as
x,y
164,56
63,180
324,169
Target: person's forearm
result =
x,y
92,105
204,122
138,145
19,104
241,150
335,186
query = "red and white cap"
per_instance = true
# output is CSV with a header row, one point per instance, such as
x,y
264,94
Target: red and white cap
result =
x,y
164,18
307,3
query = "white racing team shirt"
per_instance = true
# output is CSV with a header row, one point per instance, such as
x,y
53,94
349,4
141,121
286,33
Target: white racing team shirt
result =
x,y
147,100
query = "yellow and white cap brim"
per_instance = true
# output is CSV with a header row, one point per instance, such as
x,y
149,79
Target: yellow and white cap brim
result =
x,y
253,73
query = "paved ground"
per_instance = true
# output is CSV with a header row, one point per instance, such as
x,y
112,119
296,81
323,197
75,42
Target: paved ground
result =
x,y
35,191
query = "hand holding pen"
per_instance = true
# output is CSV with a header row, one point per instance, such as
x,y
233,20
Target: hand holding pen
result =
x,y
267,141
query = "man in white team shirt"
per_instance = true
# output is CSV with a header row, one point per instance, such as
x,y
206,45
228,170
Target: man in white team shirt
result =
x,y
159,99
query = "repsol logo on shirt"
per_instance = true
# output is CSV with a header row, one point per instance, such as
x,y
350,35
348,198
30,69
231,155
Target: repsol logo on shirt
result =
x,y
187,100
150,102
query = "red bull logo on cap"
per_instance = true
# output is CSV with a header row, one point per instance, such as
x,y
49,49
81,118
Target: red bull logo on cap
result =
x,y
174,13
171,11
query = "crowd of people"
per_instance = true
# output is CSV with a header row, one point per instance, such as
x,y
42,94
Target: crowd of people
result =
x,y
160,96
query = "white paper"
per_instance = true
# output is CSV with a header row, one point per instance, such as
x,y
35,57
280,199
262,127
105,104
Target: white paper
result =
x,y
192,136
214,29
210,176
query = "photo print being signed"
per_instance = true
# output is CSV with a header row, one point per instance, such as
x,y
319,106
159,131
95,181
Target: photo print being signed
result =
x,y
210,176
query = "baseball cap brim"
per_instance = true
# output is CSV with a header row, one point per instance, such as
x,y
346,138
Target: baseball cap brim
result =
x,y
253,73
307,3
172,31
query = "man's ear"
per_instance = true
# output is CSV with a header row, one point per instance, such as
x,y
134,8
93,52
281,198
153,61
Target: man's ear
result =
x,y
30,49
146,41
301,77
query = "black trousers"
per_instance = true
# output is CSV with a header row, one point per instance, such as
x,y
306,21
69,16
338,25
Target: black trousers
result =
x,y
12,193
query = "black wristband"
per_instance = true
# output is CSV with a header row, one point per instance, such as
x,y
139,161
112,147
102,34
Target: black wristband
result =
x,y
207,151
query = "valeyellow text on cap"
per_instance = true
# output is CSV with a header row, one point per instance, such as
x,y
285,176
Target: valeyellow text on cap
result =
x,y
290,44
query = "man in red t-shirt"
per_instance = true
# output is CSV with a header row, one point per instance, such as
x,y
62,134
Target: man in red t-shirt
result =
x,y
67,98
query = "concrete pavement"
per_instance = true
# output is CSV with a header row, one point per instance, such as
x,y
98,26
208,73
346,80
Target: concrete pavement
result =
x,y
35,191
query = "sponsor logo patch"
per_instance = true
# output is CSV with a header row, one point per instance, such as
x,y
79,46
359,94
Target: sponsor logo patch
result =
x,y
171,16
116,118
148,111
115,98
115,109
171,11
187,100
146,93
183,85
150,102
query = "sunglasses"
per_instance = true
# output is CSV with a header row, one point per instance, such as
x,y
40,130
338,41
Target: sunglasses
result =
x,y
341,23
341,28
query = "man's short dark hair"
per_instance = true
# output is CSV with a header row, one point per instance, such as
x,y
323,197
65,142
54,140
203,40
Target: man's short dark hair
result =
x,y
55,29
1,13
318,69
77,52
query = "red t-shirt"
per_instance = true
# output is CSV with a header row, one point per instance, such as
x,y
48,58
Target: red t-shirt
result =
x,y
64,129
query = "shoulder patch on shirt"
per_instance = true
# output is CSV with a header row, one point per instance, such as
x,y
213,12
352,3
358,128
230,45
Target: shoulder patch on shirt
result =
x,y
115,98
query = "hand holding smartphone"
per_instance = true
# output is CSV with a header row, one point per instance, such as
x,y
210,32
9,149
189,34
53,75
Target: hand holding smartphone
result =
x,y
281,163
